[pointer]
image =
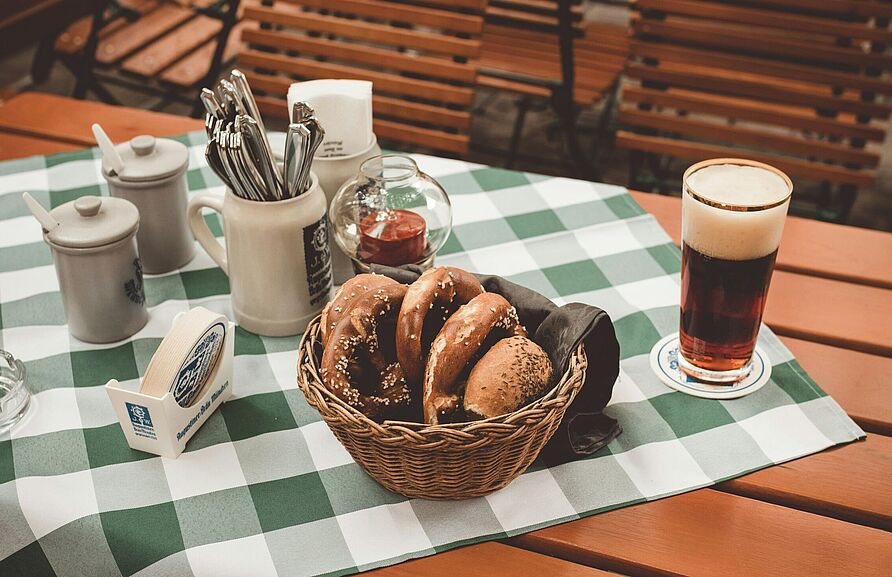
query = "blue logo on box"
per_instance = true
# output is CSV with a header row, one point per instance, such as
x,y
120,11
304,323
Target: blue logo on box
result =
x,y
141,421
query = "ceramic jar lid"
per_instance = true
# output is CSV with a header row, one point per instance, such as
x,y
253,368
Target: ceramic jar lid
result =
x,y
92,221
148,158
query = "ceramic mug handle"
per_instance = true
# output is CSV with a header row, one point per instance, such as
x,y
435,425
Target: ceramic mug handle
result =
x,y
200,229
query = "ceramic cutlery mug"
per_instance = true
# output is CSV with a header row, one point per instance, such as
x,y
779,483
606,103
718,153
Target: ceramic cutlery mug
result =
x,y
276,255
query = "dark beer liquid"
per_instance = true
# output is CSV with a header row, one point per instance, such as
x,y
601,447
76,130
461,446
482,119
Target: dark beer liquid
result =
x,y
721,308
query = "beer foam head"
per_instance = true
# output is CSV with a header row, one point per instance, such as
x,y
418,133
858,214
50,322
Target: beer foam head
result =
x,y
733,234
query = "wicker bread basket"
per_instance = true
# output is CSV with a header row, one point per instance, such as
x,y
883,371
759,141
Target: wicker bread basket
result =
x,y
454,461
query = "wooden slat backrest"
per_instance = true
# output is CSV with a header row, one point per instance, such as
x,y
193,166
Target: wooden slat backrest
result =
x,y
804,76
541,14
422,57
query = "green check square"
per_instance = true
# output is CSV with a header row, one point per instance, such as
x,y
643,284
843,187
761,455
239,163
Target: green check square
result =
x,y
535,223
25,256
141,536
60,197
95,367
56,453
629,266
667,256
29,561
63,157
537,281
218,516
796,382
213,222
248,343
459,183
576,277
482,234
452,245
41,309
636,334
495,178
7,467
624,206
204,283
49,373
291,501
107,446
164,288
257,414
688,415
586,214
195,180
351,489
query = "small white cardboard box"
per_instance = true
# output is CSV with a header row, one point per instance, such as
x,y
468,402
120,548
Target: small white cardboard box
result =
x,y
160,425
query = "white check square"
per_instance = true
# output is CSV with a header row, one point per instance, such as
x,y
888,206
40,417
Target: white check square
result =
x,y
326,450
284,367
246,557
51,410
626,390
477,207
784,433
383,532
203,471
54,501
20,230
662,468
530,499
39,341
503,260
661,291
604,239
20,284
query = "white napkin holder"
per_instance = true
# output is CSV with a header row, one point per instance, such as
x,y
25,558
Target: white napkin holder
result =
x,y
160,425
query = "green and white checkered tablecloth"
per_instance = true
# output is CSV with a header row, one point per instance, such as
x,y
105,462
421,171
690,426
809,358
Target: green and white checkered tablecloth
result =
x,y
264,488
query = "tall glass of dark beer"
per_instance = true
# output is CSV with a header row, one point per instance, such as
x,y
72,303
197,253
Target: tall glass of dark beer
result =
x,y
733,213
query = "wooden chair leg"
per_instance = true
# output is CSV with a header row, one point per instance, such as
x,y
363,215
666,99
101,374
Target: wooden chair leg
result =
x,y
848,193
565,109
523,106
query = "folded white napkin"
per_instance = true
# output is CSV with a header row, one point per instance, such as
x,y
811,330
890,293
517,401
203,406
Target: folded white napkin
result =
x,y
343,107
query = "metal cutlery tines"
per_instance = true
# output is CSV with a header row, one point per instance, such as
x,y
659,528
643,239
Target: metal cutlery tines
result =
x,y
238,149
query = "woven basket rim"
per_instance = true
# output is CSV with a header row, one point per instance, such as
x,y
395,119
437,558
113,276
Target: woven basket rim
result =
x,y
494,428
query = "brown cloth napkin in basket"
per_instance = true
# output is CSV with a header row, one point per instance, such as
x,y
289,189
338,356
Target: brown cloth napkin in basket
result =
x,y
559,330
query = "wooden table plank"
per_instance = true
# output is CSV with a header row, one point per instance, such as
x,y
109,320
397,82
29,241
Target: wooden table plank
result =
x,y
66,120
18,146
811,247
830,311
851,482
857,381
487,560
708,532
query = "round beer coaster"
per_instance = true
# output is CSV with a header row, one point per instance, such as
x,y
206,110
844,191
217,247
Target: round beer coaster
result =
x,y
664,362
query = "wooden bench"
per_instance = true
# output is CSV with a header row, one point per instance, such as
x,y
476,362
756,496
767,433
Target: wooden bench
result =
x,y
421,56
528,51
793,83
167,47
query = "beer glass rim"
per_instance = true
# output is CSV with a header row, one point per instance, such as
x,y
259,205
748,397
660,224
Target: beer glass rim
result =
x,y
734,206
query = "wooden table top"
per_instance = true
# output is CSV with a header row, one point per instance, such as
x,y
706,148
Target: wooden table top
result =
x,y
826,514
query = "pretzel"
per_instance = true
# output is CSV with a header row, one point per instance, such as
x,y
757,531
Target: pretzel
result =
x,y
438,291
457,342
344,300
357,334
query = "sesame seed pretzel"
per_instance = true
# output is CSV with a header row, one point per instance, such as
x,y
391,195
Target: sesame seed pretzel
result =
x,y
437,291
345,299
357,334
455,345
